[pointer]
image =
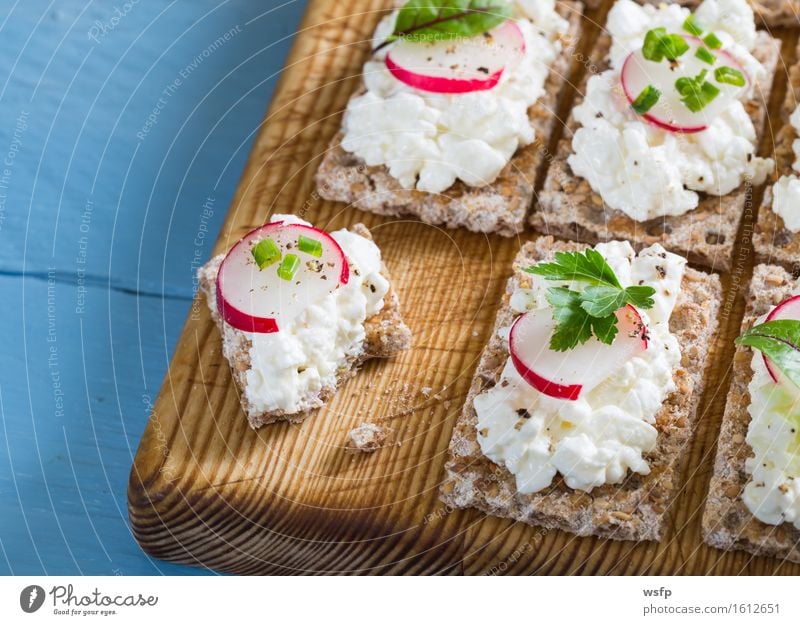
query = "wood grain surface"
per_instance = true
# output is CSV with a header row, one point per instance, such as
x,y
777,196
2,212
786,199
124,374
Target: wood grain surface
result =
x,y
207,490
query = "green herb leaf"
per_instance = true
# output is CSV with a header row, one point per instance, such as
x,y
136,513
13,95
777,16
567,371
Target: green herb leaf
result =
x,y
434,20
588,266
692,26
579,315
705,56
658,44
712,41
780,342
266,252
729,76
646,100
696,93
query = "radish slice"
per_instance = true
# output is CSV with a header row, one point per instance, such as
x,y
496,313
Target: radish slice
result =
x,y
566,375
788,309
260,300
473,64
669,113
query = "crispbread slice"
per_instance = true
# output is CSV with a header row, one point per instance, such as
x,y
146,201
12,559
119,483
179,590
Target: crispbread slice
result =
x,y
569,208
771,12
773,243
632,510
500,207
386,335
727,523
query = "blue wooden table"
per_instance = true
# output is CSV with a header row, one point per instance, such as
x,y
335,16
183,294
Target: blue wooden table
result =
x,y
124,126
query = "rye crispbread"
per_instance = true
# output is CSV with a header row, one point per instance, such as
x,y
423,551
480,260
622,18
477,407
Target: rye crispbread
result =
x,y
568,207
773,243
727,523
500,207
386,335
636,508
771,12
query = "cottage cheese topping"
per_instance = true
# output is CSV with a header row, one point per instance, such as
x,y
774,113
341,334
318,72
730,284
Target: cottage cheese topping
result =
x,y
647,172
596,439
299,361
786,192
428,140
773,492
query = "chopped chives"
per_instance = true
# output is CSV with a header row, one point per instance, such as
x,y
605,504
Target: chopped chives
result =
x,y
705,56
658,44
265,253
646,99
692,26
288,267
729,76
309,245
651,49
712,41
673,46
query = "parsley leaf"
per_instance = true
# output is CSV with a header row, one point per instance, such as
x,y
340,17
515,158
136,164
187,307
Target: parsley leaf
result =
x,y
579,315
780,342
432,20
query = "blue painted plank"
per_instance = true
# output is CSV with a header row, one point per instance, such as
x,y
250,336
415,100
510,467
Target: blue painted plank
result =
x,y
80,370
121,127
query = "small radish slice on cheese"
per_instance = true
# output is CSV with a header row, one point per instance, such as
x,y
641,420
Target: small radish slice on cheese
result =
x,y
788,309
669,112
570,374
275,272
457,66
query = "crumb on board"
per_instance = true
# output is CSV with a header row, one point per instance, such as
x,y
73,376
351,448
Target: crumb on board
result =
x,y
366,438
426,390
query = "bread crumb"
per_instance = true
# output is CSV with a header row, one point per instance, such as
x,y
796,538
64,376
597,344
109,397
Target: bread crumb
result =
x,y
426,390
366,438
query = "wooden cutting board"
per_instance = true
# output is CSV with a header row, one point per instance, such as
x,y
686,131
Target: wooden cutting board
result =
x,y
207,490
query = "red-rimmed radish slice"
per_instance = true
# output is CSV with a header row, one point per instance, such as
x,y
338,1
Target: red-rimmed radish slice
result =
x,y
460,66
567,375
669,112
260,300
788,309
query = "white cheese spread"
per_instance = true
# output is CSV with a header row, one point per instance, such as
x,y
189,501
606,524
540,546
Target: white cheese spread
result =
x,y
773,492
645,171
786,192
428,140
296,363
597,438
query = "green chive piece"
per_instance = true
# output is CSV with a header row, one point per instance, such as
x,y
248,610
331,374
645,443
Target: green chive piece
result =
x,y
288,267
266,252
712,41
658,44
309,245
705,56
651,49
692,26
696,93
729,76
674,46
646,99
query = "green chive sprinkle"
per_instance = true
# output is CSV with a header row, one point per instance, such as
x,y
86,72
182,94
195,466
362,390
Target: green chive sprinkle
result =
x,y
651,50
696,93
674,46
658,44
692,26
288,267
309,245
712,41
646,99
705,56
729,76
266,252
